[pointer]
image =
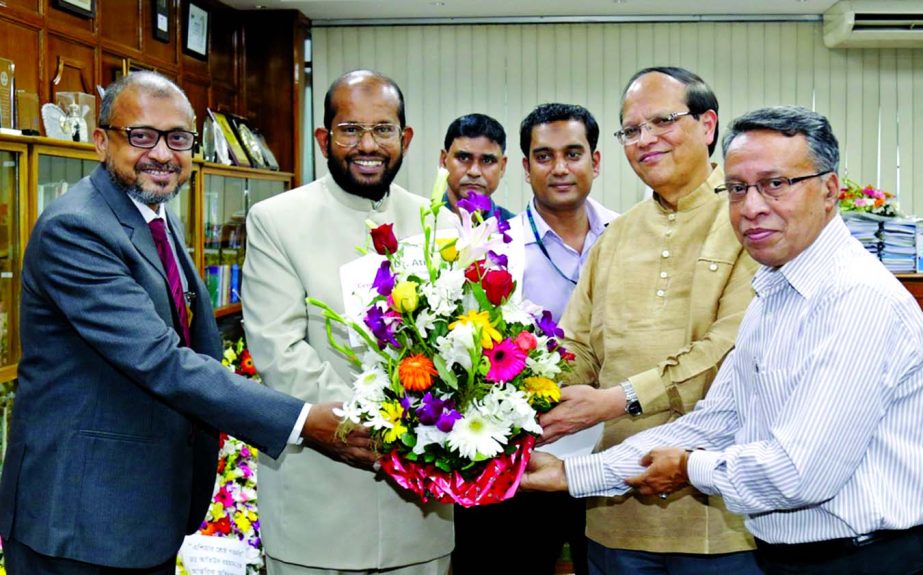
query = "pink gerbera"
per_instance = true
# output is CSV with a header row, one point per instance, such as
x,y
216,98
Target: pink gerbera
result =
x,y
506,361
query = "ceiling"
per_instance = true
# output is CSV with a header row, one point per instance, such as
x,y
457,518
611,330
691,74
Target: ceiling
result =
x,y
357,11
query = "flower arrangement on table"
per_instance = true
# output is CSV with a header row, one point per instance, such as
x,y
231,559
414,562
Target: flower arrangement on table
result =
x,y
233,510
867,199
456,366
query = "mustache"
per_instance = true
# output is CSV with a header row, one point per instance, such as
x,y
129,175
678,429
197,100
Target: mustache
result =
x,y
166,167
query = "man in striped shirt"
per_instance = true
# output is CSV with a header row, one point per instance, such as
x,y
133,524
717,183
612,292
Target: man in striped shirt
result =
x,y
812,426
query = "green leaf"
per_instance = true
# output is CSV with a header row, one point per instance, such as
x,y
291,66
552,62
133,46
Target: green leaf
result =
x,y
445,374
408,439
444,465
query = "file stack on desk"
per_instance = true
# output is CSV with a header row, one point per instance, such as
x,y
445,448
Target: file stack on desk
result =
x,y
898,245
866,228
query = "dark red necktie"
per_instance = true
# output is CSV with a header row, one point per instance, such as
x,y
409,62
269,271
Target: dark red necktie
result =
x,y
159,231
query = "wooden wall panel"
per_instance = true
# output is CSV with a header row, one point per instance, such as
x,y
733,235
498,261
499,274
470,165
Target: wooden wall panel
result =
x,y
27,6
20,43
73,63
223,52
157,51
121,29
70,24
197,92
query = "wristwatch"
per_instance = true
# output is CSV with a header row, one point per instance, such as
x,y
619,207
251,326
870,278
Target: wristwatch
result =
x,y
632,404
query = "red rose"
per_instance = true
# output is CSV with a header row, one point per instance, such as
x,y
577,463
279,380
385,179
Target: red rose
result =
x,y
383,239
475,272
498,284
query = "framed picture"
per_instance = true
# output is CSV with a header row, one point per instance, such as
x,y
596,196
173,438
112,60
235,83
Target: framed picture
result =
x,y
236,151
268,156
196,31
85,8
249,143
161,20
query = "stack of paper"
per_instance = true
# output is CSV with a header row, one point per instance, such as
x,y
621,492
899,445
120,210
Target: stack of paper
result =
x,y
898,245
866,229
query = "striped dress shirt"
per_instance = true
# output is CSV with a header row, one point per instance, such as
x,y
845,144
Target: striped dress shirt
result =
x,y
813,428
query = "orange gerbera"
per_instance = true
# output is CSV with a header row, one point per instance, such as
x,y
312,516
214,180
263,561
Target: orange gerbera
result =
x,y
416,372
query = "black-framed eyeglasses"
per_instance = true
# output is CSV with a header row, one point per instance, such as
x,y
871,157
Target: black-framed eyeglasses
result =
x,y
147,138
773,188
656,126
349,134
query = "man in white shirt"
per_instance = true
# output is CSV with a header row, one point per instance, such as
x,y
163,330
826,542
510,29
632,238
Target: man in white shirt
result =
x,y
811,428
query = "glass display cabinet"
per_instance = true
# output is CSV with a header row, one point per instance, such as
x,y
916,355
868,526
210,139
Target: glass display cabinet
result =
x,y
13,195
227,194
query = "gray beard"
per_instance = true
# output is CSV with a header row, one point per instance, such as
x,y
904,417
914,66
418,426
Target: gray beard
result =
x,y
139,194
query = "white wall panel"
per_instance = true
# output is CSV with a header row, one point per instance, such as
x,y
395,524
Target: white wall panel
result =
x,y
505,70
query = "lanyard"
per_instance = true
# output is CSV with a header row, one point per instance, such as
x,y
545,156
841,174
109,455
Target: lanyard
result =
x,y
541,245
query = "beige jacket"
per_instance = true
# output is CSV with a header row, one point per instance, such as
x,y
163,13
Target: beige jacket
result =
x,y
659,303
315,511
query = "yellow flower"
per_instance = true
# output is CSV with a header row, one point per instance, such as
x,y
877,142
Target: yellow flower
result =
x,y
404,297
448,249
391,411
480,320
242,521
543,388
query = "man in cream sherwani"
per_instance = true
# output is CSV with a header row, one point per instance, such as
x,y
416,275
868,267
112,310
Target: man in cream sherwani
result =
x,y
325,510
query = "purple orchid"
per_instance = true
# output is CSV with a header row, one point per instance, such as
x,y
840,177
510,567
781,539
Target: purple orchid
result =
x,y
384,279
503,226
498,260
548,325
381,325
438,412
475,202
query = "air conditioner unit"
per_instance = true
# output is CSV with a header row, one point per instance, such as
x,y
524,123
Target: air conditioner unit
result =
x,y
874,24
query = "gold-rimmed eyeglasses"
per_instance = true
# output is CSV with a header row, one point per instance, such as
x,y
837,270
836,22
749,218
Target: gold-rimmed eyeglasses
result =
x,y
349,134
656,126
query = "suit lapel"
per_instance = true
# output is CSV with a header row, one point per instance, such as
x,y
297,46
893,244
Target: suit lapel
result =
x,y
129,216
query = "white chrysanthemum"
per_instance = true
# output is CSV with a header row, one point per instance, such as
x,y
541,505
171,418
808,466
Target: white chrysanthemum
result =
x,y
522,311
455,347
428,435
476,436
544,364
444,295
371,384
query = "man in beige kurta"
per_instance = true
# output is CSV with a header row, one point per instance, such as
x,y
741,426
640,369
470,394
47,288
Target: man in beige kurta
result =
x,y
320,515
656,310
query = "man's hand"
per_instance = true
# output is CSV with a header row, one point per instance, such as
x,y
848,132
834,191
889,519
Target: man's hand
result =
x,y
320,430
666,472
581,407
544,473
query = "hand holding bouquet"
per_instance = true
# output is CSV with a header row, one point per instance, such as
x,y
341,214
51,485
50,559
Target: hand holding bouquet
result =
x,y
456,366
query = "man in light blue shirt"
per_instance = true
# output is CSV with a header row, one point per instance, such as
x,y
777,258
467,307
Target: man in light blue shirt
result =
x,y
558,228
812,426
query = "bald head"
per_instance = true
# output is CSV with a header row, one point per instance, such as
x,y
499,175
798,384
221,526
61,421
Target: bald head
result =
x,y
366,81
148,83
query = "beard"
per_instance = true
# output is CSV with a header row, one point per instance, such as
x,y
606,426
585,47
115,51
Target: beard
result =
x,y
135,191
370,191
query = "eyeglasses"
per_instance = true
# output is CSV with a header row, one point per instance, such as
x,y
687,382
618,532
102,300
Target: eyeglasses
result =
x,y
773,188
148,138
656,126
349,134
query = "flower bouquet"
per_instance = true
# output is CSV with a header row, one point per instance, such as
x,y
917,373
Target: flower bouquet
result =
x,y
233,510
869,200
455,365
